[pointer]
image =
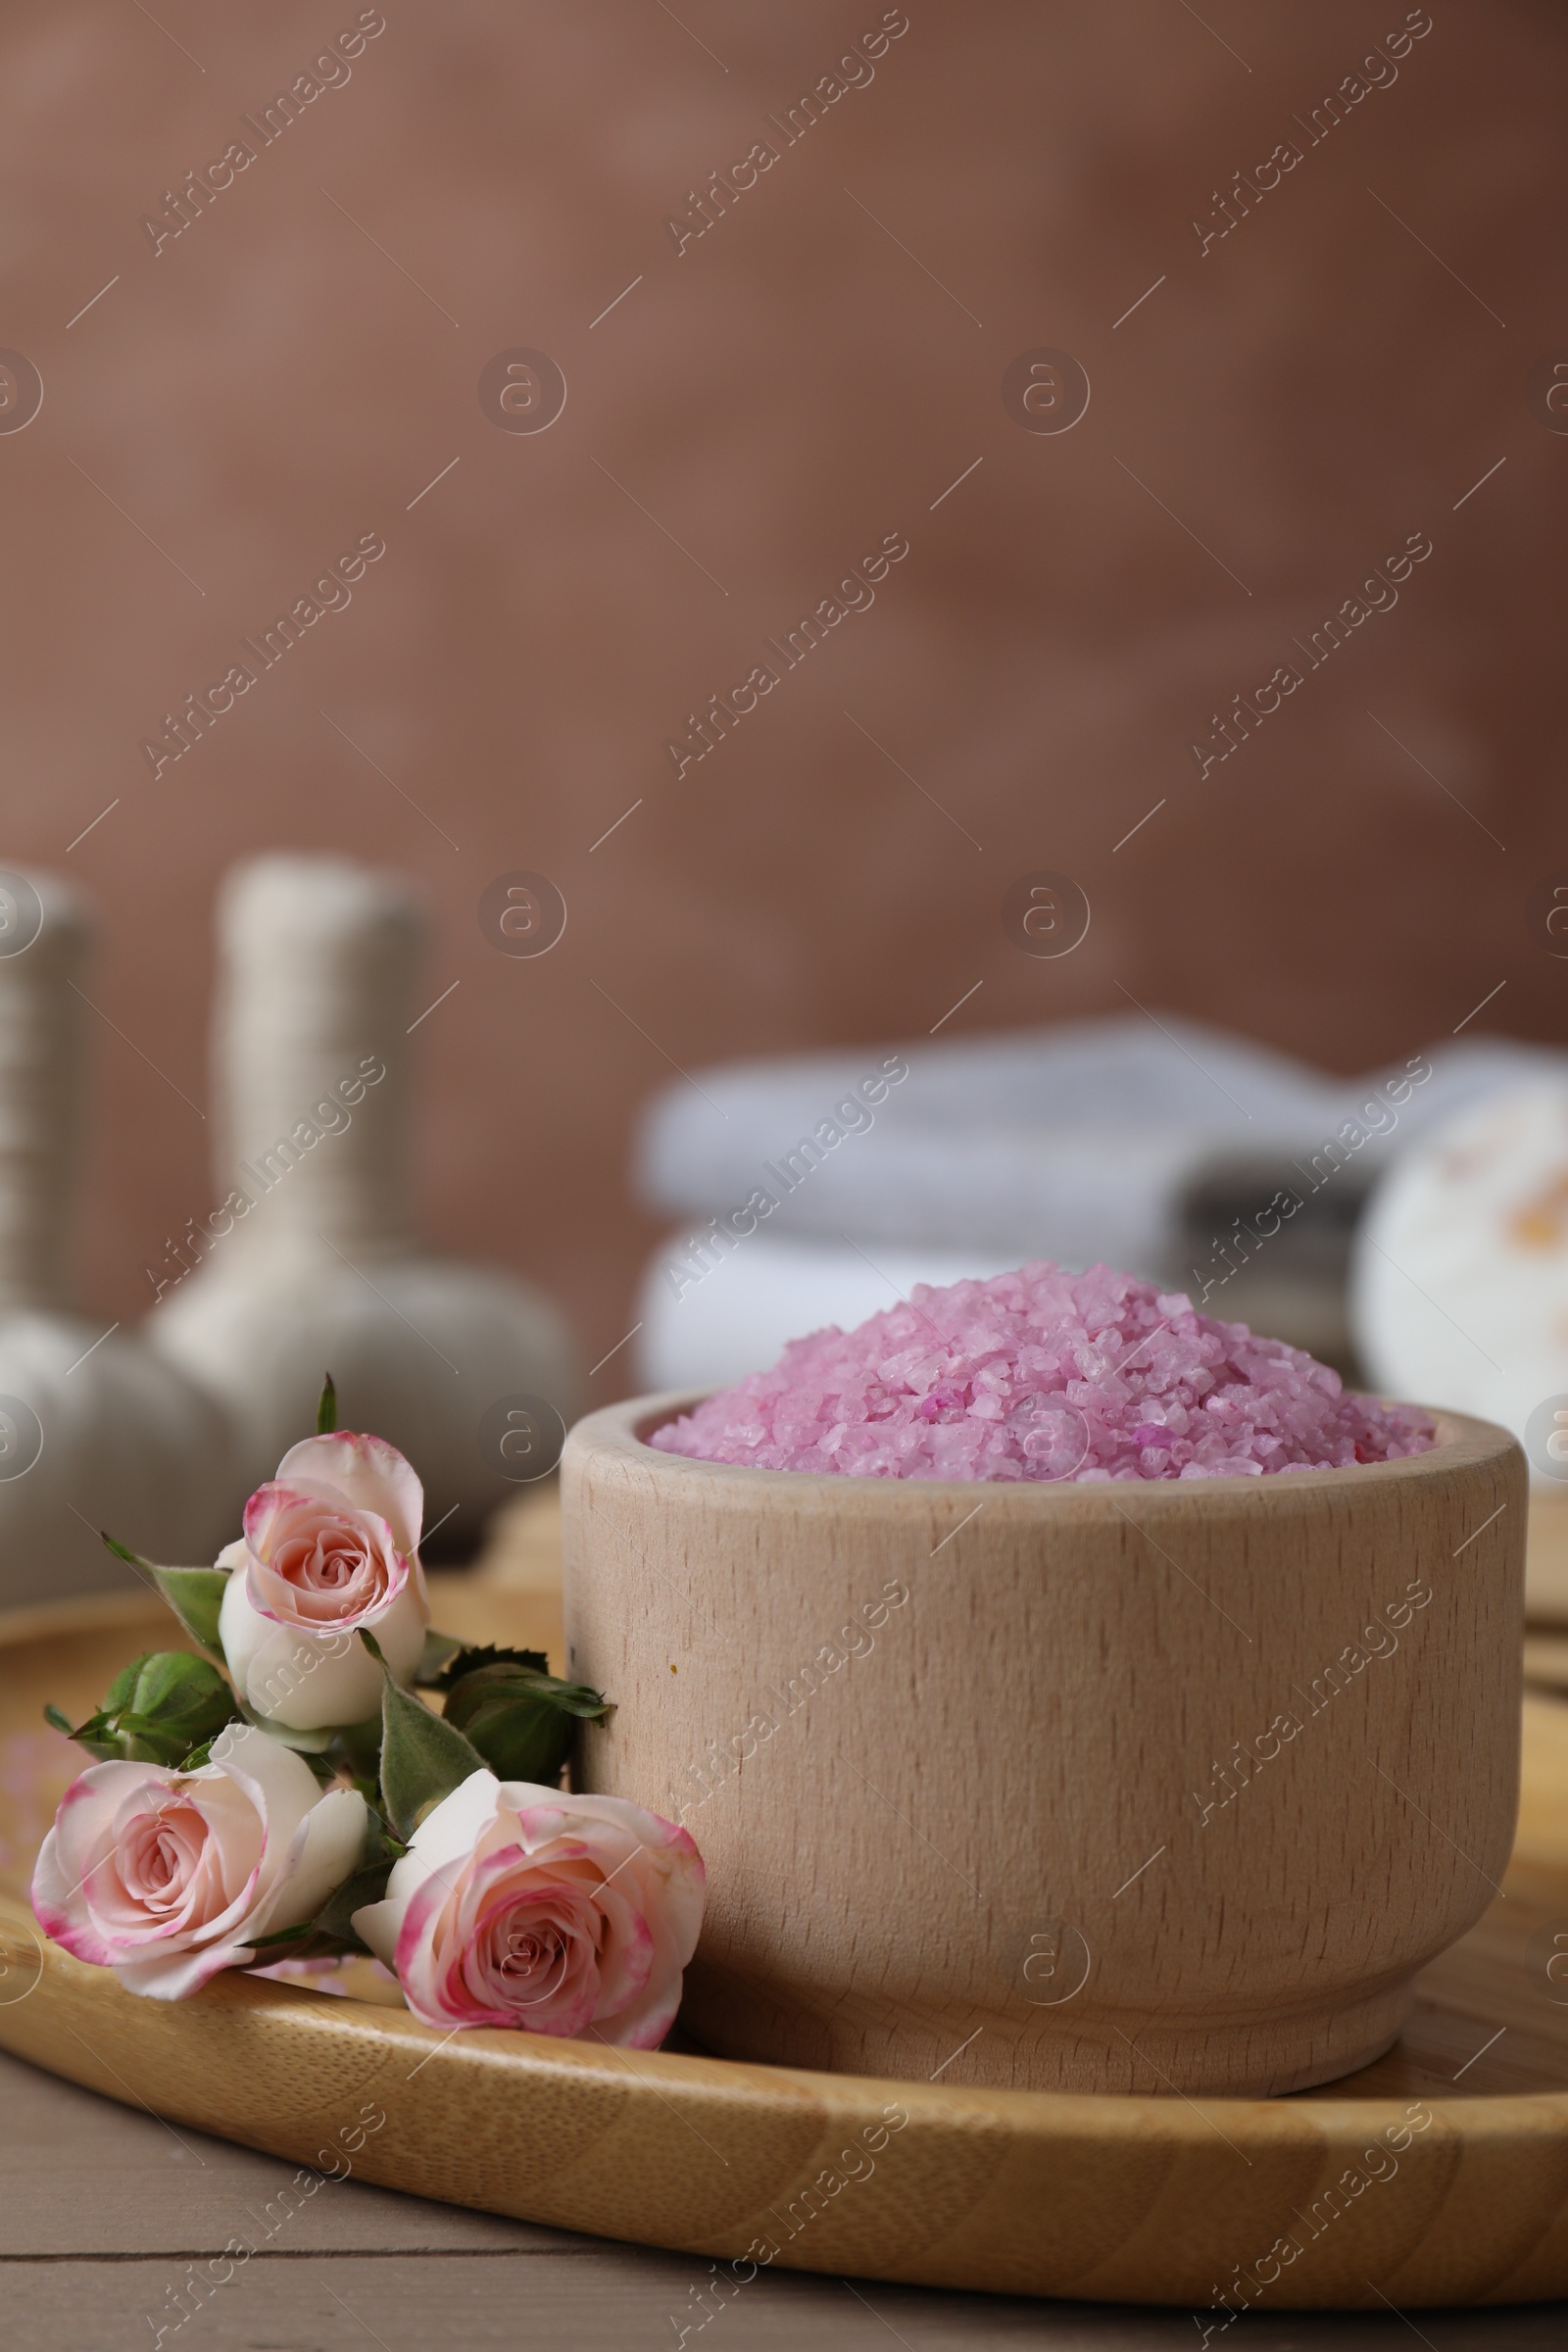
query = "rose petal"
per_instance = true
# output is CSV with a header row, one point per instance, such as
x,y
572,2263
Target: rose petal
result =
x,y
447,1834
370,1473
280,1784
279,1522
176,1974
326,1850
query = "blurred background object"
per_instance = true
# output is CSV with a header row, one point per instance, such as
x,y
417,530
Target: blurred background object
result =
x,y
95,1432
309,1262
1462,1266
1031,533
1461,1292
249,371
826,1185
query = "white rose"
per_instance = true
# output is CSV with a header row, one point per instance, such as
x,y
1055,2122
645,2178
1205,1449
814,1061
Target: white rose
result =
x,y
524,1906
168,1876
331,1544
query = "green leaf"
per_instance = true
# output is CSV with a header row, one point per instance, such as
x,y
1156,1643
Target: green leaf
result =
x,y
99,1734
195,1595
488,1654
361,1748
326,1410
439,1650
302,1934
522,1719
358,1748
88,1735
158,1709
123,1552
366,1885
422,1758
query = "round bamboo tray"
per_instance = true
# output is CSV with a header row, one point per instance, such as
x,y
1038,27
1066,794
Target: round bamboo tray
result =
x,y
1436,2175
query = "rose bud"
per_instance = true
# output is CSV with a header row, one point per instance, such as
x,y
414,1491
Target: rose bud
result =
x,y
158,1708
168,1876
331,1545
517,1905
520,1716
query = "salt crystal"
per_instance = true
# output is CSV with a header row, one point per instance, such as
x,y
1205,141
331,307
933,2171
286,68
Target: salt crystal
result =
x,y
1046,1375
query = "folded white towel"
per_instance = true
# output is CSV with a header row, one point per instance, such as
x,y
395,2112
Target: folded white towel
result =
x,y
1078,1141
738,1318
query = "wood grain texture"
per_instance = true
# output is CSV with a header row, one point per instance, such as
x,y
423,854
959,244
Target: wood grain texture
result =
x,y
1106,1787
592,2299
1132,2200
615,2299
81,2175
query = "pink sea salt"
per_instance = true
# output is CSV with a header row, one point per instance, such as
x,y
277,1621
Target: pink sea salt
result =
x,y
1046,1375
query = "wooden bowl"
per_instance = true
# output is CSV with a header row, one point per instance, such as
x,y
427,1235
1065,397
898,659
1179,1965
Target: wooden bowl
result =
x,y
1080,1781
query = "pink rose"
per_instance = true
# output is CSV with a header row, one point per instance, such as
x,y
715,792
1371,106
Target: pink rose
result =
x,y
518,1905
168,1876
331,1544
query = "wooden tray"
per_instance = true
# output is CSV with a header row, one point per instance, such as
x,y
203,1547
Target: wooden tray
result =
x,y
1143,2199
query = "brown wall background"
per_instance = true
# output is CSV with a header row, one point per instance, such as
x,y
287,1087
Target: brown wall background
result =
x,y
279,378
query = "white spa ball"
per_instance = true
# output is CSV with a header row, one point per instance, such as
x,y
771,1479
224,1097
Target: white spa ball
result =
x,y
95,1433
1459,1286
